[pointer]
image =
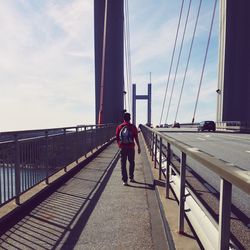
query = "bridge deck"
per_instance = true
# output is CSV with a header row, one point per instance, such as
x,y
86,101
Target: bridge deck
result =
x,y
93,210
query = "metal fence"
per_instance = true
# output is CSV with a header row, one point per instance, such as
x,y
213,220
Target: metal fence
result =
x,y
235,126
29,157
160,147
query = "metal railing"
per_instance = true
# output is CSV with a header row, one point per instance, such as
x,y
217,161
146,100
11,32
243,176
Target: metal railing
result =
x,y
235,126
160,147
30,157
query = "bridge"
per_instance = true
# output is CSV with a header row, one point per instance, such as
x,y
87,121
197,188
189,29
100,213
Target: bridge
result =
x,y
61,188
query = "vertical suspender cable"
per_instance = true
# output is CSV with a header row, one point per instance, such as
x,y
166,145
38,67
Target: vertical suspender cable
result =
x,y
127,53
129,56
126,64
189,55
178,61
205,59
100,118
176,36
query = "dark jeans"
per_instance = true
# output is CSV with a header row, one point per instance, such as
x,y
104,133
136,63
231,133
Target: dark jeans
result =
x,y
130,154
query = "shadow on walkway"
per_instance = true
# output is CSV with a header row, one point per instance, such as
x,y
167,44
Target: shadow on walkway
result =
x,y
66,211
93,210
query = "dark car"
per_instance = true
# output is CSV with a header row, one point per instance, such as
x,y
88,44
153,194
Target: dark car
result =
x,y
176,125
206,125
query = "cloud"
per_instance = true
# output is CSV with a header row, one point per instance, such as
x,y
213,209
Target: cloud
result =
x,y
46,64
47,61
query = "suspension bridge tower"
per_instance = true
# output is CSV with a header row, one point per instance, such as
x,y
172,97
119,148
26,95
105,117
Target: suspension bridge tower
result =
x,y
109,77
234,62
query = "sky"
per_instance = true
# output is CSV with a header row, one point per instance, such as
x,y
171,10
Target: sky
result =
x,y
47,61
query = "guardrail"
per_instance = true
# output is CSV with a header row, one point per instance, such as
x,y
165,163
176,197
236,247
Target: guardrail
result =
x,y
160,147
30,157
182,125
235,126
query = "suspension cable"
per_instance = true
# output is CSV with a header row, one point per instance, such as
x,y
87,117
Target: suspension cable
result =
x,y
126,60
176,36
178,61
127,54
100,118
205,59
189,55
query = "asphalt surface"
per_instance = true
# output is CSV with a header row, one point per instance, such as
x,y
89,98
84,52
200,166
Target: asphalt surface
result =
x,y
93,210
232,148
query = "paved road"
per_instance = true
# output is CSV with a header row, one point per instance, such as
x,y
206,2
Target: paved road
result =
x,y
233,148
230,147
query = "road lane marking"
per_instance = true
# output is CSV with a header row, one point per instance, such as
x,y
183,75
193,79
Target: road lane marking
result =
x,y
202,139
232,136
193,149
230,164
248,151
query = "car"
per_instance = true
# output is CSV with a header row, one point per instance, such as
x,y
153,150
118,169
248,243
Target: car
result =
x,y
176,125
207,125
162,126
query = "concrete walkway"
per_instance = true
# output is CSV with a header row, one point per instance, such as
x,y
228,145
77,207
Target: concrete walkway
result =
x,y
93,210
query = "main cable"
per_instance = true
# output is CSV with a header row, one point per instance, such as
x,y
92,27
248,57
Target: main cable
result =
x,y
189,55
205,59
178,61
176,37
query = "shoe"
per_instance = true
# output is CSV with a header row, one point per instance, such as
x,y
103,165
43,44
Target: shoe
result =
x,y
132,180
125,183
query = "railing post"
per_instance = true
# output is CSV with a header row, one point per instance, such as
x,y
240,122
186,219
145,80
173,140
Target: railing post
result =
x,y
182,192
149,137
64,150
150,142
76,145
85,140
168,169
152,146
91,139
17,170
155,156
47,156
101,136
97,135
160,158
224,214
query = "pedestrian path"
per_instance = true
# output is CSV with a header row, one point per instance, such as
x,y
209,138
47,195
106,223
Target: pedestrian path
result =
x,y
93,210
